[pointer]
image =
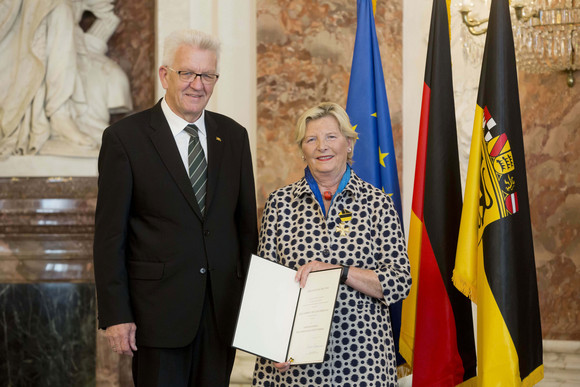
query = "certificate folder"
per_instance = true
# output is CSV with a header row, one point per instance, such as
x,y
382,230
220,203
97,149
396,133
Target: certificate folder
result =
x,y
282,322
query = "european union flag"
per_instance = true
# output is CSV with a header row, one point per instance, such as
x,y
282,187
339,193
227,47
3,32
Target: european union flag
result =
x,y
368,109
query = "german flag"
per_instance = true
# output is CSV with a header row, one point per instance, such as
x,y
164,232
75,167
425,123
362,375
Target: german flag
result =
x,y
437,327
495,255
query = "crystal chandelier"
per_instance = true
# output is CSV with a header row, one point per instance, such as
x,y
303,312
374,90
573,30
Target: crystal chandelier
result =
x,y
545,34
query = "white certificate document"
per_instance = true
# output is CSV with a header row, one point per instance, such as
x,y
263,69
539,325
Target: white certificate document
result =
x,y
281,322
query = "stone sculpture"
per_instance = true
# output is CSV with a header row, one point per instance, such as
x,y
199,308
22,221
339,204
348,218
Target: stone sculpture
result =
x,y
57,86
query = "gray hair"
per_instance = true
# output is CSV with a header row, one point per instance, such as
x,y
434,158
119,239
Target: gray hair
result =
x,y
191,38
326,109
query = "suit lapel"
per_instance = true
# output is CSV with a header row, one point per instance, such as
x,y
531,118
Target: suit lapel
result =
x,y
215,149
165,145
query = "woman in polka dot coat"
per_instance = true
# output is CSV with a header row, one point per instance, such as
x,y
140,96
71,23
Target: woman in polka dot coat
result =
x,y
332,218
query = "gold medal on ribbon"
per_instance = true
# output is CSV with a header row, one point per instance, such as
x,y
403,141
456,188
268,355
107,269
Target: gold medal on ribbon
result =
x,y
343,229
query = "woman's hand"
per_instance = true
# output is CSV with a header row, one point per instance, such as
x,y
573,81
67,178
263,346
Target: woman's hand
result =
x,y
364,280
303,271
282,367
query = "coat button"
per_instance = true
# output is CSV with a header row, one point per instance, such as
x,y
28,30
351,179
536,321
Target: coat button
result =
x,y
202,270
206,233
326,252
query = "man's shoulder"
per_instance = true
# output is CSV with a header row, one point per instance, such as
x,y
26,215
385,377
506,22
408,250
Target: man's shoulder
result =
x,y
133,119
137,123
223,121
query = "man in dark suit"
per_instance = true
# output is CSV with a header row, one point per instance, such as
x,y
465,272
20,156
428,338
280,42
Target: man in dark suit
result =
x,y
175,226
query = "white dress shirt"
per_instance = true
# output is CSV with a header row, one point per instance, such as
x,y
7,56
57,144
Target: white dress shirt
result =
x,y
177,124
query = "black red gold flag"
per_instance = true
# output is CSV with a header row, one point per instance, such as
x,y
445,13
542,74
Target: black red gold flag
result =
x,y
495,263
437,327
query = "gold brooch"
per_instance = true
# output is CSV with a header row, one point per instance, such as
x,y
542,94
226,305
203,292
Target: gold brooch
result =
x,y
343,229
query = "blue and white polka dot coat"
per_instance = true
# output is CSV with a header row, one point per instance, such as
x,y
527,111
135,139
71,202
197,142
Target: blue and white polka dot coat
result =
x,y
294,232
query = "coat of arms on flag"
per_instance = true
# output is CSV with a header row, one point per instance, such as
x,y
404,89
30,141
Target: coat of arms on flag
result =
x,y
498,182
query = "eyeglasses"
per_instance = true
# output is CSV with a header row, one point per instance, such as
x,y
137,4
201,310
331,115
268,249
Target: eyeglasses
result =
x,y
190,76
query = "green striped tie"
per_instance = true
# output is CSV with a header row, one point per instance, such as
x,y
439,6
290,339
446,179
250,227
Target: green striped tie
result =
x,y
197,166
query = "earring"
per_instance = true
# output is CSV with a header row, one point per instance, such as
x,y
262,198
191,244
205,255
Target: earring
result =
x,y
349,149
303,158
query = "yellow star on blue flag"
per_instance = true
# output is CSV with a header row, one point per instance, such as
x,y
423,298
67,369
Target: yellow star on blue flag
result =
x,y
382,158
368,109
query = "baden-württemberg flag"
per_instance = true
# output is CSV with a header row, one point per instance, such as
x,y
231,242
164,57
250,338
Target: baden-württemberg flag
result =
x,y
368,109
495,256
437,326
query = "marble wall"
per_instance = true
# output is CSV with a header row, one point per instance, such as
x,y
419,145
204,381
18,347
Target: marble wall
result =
x,y
304,57
47,295
551,123
133,47
47,332
46,227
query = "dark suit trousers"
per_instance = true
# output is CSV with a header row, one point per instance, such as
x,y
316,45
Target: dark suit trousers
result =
x,y
207,361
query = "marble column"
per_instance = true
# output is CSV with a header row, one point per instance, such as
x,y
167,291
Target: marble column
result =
x,y
47,295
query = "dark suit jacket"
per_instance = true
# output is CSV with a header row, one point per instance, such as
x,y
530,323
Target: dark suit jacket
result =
x,y
153,249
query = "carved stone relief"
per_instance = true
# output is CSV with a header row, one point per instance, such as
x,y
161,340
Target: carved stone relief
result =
x,y
57,86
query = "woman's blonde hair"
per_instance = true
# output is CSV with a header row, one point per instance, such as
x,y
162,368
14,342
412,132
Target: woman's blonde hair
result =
x,y
327,109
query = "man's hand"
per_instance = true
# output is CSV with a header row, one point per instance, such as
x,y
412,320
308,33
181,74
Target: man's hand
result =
x,y
122,338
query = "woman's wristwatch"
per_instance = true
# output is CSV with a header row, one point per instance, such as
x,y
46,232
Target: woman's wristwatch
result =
x,y
344,274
